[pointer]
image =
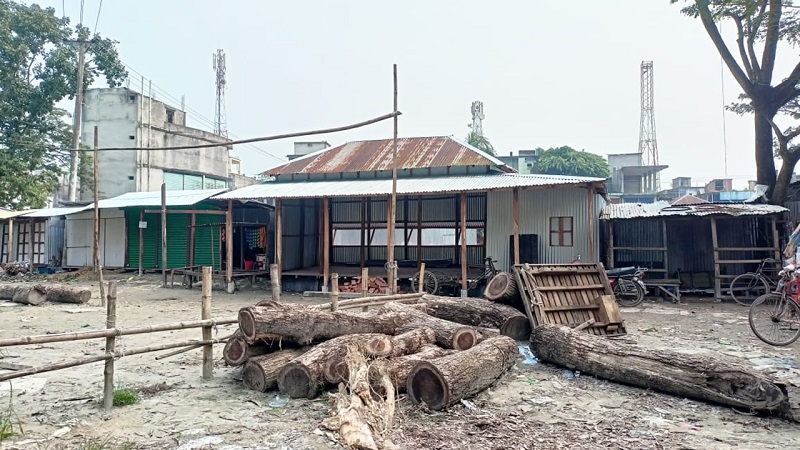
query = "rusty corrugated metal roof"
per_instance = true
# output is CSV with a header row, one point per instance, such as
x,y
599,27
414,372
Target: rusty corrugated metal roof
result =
x,y
689,199
368,156
664,209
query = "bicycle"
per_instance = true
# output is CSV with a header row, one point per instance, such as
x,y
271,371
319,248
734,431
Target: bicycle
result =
x,y
437,283
751,285
775,317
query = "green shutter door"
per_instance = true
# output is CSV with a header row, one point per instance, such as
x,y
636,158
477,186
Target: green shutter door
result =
x,y
152,243
207,240
177,240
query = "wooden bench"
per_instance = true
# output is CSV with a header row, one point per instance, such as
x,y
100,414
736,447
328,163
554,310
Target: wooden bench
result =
x,y
670,287
190,275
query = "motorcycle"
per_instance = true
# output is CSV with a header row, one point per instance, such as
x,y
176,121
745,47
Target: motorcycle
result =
x,y
627,284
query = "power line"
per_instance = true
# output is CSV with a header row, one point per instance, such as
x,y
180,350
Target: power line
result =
x,y
100,8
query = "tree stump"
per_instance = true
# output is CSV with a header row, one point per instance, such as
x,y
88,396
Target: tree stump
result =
x,y
261,373
480,313
444,381
65,294
397,369
701,377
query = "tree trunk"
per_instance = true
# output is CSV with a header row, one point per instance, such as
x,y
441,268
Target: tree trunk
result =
x,y
448,334
261,373
305,325
412,341
480,313
701,377
764,152
305,375
237,350
445,381
502,288
397,369
65,294
781,189
29,295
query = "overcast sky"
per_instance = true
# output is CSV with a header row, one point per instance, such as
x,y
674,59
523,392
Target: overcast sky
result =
x,y
550,73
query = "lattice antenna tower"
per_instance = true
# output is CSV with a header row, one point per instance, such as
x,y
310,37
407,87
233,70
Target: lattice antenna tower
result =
x,y
648,146
220,122
477,117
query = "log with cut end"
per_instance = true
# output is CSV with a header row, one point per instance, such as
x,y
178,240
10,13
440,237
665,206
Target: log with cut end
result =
x,y
502,288
306,375
305,325
701,377
28,295
65,294
444,381
412,341
237,350
261,373
480,313
7,291
397,369
448,334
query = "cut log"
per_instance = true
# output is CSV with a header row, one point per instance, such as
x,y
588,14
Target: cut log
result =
x,y
701,377
444,381
7,291
412,341
65,294
306,375
379,346
261,373
448,334
480,313
398,368
29,295
237,350
502,288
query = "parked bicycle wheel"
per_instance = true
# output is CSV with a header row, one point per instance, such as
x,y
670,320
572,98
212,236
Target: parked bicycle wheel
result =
x,y
775,319
747,287
430,284
628,293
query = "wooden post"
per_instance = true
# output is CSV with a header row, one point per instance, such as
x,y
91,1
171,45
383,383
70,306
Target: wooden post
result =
x,y
279,237
464,258
192,236
365,284
391,219
98,266
590,231
334,292
164,232
229,248
516,227
610,244
30,248
363,246
666,247
421,284
141,242
776,241
205,314
419,230
10,242
715,246
111,323
275,281
326,243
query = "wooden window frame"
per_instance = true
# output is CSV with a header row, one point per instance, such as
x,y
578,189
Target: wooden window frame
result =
x,y
562,231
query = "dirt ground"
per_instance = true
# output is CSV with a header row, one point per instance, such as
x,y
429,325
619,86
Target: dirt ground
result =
x,y
535,406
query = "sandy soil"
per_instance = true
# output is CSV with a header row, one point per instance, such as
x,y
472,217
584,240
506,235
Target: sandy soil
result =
x,y
532,407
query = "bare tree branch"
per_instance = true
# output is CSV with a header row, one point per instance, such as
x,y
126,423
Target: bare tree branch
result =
x,y
748,67
754,27
773,35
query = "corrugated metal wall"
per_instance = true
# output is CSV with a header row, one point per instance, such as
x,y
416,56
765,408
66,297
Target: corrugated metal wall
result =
x,y
79,239
301,228
55,240
535,209
639,233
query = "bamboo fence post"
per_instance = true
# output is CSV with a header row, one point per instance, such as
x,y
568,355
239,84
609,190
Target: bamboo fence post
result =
x,y
111,322
365,284
208,350
421,281
98,266
164,259
275,281
334,292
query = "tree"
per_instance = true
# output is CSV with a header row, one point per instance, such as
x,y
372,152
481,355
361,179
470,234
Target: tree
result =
x,y
38,68
568,161
480,142
764,24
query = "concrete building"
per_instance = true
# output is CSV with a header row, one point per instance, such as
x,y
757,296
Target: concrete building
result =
x,y
305,148
631,180
126,118
523,162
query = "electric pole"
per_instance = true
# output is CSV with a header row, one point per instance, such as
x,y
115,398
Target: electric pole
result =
x,y
76,126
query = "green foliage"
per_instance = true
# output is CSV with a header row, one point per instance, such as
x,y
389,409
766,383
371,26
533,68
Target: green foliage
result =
x,y
10,425
125,397
480,142
38,68
568,161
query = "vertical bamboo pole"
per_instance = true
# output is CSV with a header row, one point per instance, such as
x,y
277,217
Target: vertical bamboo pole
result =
x,y
419,230
516,226
717,271
776,241
192,237
665,246
326,243
393,201
421,284
610,244
590,231
464,258
334,292
98,266
365,284
164,232
141,242
279,238
363,247
111,323
205,314
229,248
10,242
275,281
